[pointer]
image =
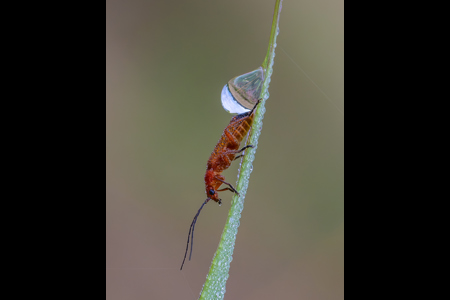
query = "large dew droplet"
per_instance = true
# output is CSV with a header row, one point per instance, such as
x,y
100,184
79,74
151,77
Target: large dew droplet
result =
x,y
242,92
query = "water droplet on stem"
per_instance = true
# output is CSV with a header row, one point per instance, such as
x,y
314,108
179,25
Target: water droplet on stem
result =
x,y
242,92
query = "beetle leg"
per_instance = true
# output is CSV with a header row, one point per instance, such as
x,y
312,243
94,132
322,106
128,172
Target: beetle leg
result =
x,y
259,100
231,187
238,151
224,189
238,156
248,146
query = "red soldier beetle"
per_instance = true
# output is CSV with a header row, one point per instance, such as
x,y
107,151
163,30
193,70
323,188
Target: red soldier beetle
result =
x,y
221,158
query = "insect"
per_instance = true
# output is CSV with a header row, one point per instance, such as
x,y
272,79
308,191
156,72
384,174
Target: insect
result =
x,y
221,158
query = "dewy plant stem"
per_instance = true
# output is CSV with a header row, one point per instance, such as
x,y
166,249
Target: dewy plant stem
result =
x,y
214,287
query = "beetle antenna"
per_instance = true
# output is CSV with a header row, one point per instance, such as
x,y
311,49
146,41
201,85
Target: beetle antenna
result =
x,y
189,234
193,227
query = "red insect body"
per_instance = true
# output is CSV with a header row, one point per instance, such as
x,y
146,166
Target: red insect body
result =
x,y
225,152
221,158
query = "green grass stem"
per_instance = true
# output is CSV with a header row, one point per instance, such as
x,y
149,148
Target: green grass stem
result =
x,y
214,287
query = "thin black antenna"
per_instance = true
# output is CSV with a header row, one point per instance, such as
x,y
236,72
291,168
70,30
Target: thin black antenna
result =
x,y
189,234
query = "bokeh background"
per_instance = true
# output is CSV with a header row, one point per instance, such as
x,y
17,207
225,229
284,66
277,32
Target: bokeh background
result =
x,y
166,63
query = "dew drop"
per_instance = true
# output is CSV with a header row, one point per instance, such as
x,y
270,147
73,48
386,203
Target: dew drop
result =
x,y
242,92
230,104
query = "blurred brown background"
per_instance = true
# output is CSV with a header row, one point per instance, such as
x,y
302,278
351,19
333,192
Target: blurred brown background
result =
x,y
167,62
